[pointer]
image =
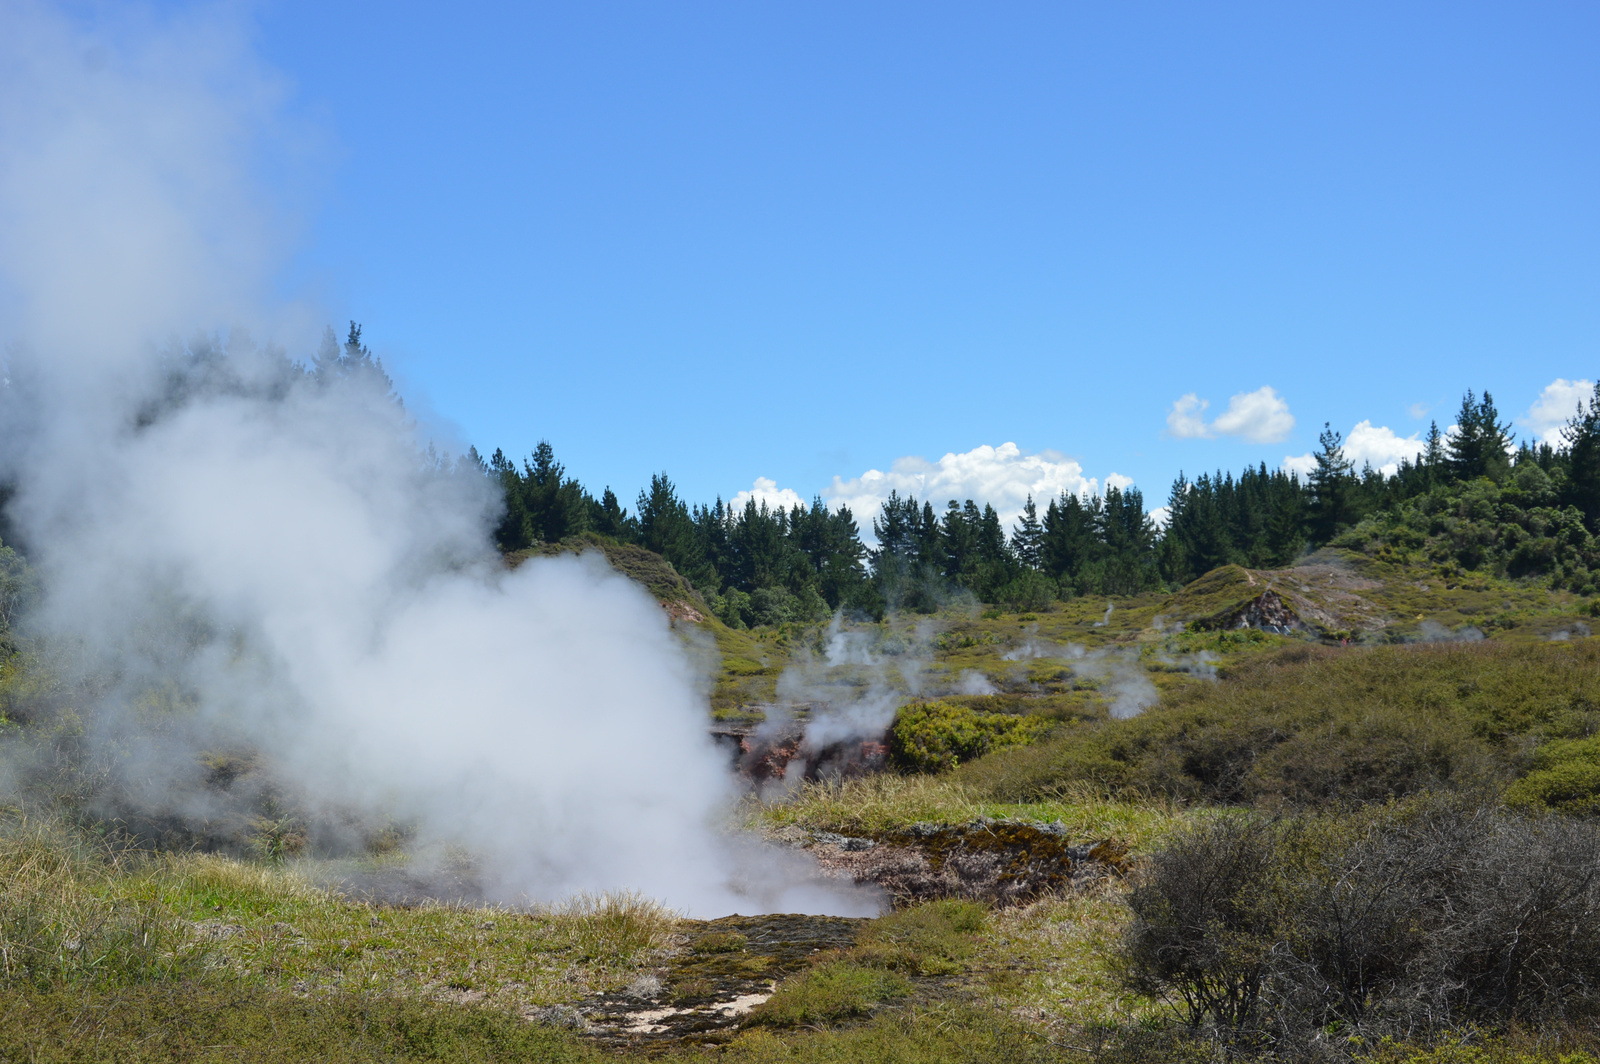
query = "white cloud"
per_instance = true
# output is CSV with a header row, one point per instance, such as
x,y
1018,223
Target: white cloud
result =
x,y
1002,477
1261,416
1418,411
766,490
1366,443
1186,420
1555,407
1302,464
1381,447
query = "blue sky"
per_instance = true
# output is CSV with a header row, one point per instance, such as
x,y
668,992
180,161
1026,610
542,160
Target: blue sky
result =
x,y
805,241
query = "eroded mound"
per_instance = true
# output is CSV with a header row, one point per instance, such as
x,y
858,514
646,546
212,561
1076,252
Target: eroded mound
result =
x,y
1002,862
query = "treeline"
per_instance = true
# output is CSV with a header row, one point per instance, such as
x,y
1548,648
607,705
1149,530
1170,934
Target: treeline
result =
x,y
1469,499
760,565
754,566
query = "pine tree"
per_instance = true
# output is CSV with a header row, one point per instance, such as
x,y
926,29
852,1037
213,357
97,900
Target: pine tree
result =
x,y
1582,438
1027,537
354,362
1287,520
1173,553
1478,448
1433,456
959,537
666,527
897,529
515,530
1067,544
1127,537
1330,483
1209,540
608,517
557,507
832,546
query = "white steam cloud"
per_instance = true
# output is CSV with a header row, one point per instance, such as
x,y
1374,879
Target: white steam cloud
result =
x,y
275,552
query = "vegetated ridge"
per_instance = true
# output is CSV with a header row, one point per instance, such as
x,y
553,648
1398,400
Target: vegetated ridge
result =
x,y
1311,773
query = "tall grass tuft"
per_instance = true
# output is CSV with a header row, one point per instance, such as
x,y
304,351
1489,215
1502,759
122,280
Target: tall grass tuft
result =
x,y
611,928
61,920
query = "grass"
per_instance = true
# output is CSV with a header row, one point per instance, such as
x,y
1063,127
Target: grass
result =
x,y
873,805
939,1034
1311,724
1519,1047
1051,961
271,926
932,939
1370,600
73,913
831,991
935,938
279,970
182,1021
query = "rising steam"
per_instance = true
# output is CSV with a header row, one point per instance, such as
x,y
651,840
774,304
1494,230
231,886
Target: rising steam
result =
x,y
238,552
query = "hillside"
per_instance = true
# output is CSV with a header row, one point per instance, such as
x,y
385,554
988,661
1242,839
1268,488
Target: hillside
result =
x,y
1014,855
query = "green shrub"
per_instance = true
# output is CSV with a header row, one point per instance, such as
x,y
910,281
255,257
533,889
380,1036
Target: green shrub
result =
x,y
1563,777
934,736
1030,591
1571,787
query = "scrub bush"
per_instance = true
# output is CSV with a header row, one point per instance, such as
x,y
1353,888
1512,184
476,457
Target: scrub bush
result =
x,y
1408,920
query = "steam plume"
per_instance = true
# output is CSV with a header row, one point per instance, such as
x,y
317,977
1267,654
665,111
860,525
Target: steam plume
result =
x,y
239,552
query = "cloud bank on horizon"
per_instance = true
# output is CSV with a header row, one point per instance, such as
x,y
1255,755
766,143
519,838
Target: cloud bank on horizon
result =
x,y
1006,476
1384,449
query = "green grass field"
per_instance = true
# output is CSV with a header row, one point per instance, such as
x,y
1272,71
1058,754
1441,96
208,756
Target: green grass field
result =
x,y
119,955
